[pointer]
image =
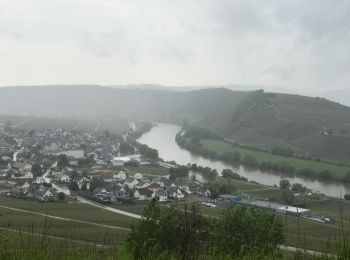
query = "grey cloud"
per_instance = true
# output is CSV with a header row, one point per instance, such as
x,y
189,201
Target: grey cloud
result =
x,y
281,72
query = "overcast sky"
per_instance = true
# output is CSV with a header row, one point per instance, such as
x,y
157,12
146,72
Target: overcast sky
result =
x,y
287,46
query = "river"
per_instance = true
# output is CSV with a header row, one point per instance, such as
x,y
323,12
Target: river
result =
x,y
162,138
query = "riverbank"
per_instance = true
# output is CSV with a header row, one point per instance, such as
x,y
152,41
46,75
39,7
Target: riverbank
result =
x,y
162,138
217,149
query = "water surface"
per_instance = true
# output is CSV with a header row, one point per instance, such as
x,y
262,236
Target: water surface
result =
x,y
162,138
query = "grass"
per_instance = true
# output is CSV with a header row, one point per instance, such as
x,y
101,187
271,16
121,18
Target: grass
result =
x,y
73,210
223,147
64,228
329,207
150,170
310,235
30,245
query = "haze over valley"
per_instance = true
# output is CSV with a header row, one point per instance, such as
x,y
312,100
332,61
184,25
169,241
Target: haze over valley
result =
x,y
179,129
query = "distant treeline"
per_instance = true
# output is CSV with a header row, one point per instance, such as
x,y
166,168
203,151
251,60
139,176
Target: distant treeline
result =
x,y
191,142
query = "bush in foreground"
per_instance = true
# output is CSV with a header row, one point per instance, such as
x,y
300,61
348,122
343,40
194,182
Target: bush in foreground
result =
x,y
186,234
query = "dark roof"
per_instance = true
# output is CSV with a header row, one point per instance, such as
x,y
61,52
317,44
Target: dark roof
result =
x,y
146,192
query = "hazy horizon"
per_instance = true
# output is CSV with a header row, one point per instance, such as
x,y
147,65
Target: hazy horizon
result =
x,y
297,47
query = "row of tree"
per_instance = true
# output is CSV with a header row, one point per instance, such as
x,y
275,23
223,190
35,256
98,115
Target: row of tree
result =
x,y
251,161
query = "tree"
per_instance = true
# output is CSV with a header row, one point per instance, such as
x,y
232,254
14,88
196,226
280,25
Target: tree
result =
x,y
126,148
168,234
179,172
96,182
37,170
244,231
298,187
73,186
62,161
61,196
229,174
347,196
84,187
185,234
284,184
287,197
250,160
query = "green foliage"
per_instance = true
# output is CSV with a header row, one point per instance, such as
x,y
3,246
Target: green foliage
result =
x,y
96,182
297,187
73,186
37,170
234,154
61,196
84,187
229,174
179,172
62,161
284,184
347,196
219,188
88,161
197,133
250,160
126,148
282,151
287,197
186,234
246,231
208,173
147,151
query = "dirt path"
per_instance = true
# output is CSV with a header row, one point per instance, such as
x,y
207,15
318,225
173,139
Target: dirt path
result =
x,y
95,204
118,211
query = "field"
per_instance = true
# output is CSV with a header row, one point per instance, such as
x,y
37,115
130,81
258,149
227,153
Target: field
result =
x,y
149,170
81,221
222,147
299,233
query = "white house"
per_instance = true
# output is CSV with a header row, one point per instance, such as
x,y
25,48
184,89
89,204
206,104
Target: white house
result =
x,y
39,180
143,194
44,195
175,193
65,178
82,181
132,184
121,175
161,195
28,167
138,176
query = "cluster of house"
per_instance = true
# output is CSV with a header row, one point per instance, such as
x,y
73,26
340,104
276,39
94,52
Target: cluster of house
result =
x,y
31,190
75,145
117,187
16,170
128,188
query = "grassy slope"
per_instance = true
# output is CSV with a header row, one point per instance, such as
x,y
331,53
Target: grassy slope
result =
x,y
76,211
222,147
296,122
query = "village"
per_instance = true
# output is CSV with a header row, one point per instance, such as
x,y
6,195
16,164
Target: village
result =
x,y
39,165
